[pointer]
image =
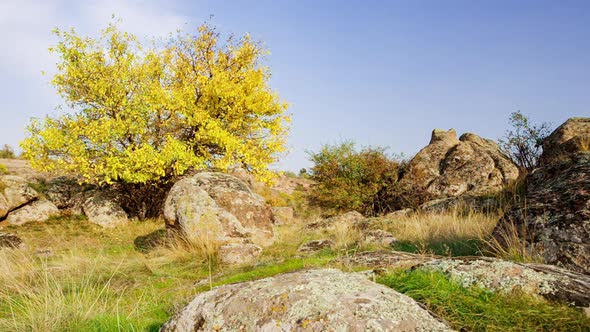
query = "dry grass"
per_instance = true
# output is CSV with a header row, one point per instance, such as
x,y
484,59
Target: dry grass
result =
x,y
513,245
449,233
444,227
75,276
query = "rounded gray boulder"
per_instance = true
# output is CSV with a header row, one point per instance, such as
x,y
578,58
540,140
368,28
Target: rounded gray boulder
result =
x,y
313,300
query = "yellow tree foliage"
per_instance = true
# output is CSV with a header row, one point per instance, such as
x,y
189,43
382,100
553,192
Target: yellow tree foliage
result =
x,y
140,114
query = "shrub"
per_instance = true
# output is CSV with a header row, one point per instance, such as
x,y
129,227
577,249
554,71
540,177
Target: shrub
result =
x,y
3,169
7,152
347,179
522,143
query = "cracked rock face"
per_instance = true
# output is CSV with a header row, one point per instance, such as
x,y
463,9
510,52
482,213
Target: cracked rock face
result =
x,y
555,218
219,205
314,300
15,193
449,167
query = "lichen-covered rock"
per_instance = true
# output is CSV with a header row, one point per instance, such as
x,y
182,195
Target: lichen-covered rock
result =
x,y
102,209
235,197
316,245
39,210
452,167
314,300
399,214
506,277
378,237
222,204
190,210
347,219
9,240
14,193
554,219
66,193
567,141
284,215
461,204
239,253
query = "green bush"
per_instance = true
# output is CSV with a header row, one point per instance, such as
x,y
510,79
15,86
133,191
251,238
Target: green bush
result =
x,y
347,179
7,152
3,169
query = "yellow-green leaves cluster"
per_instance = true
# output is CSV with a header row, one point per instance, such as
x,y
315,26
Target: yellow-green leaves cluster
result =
x,y
140,114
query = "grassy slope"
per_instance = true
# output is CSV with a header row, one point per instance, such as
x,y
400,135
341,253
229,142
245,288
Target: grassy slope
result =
x,y
93,279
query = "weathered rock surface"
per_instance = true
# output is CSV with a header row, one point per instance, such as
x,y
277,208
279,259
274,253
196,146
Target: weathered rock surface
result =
x,y
548,281
378,237
461,204
23,169
452,167
222,205
103,210
399,214
572,137
284,215
190,210
15,193
347,219
9,240
503,276
66,193
38,210
233,195
315,300
554,219
239,253
316,245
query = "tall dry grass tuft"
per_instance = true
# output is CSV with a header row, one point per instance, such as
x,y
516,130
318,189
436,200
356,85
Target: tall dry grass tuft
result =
x,y
513,243
39,296
345,235
447,227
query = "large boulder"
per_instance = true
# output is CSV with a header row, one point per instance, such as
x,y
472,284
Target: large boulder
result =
x,y
314,300
221,202
450,167
572,137
39,210
554,219
15,192
102,209
67,194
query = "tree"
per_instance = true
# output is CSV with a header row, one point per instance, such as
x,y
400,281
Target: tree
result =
x,y
522,143
142,114
347,179
7,152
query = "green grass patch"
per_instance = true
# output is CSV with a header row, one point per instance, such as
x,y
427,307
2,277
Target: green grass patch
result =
x,y
467,247
271,269
476,309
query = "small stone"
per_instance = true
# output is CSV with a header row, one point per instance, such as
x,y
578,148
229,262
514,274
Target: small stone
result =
x,y
378,237
239,254
9,240
316,245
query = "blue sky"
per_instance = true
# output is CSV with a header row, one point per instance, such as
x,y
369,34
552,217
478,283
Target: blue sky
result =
x,y
378,72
